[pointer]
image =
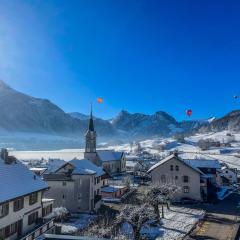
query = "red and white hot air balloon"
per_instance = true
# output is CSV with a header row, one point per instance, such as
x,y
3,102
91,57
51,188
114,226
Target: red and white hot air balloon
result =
x,y
189,112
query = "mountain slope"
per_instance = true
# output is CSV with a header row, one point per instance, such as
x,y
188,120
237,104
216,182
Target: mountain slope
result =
x,y
20,112
230,121
137,124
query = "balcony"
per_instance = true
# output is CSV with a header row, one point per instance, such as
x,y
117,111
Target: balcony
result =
x,y
41,228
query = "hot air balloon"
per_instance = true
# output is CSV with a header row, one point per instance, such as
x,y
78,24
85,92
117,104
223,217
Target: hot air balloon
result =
x,y
99,100
189,112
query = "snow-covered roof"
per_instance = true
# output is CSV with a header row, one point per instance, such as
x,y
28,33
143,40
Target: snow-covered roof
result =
x,y
17,180
169,158
111,188
200,160
65,154
197,163
109,155
54,164
132,157
131,163
85,166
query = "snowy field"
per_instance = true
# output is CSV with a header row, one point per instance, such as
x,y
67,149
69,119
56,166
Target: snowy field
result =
x,y
157,148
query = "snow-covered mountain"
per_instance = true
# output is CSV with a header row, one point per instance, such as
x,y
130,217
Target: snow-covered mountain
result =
x,y
20,112
141,125
78,115
230,121
23,113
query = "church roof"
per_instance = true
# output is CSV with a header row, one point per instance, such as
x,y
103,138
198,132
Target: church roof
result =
x,y
109,155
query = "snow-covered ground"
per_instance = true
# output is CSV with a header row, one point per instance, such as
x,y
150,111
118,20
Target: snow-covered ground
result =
x,y
178,221
156,148
77,223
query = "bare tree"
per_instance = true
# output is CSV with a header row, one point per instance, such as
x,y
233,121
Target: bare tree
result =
x,y
137,216
161,194
127,182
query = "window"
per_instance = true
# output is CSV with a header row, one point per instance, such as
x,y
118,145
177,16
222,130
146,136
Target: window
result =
x,y
185,179
163,178
80,181
186,189
32,218
18,204
33,198
176,177
177,168
79,196
47,210
64,183
171,167
63,196
8,230
4,210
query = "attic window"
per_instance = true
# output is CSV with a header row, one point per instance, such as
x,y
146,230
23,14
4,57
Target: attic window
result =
x,y
177,168
171,167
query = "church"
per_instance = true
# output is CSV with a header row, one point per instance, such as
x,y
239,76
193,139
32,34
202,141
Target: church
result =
x,y
111,161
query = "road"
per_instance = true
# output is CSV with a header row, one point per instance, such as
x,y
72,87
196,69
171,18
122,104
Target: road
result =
x,y
222,220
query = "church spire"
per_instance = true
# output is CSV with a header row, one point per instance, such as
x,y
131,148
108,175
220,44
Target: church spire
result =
x,y
90,123
90,137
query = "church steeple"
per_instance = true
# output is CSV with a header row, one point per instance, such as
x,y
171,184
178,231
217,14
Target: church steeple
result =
x,y
90,123
90,136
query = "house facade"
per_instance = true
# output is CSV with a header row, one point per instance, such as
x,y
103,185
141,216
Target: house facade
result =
x,y
21,201
228,175
172,169
76,185
111,161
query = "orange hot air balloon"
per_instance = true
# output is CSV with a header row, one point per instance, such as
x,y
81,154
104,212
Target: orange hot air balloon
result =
x,y
189,112
99,100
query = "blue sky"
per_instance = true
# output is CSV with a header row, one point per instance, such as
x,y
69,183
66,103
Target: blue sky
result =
x,y
142,56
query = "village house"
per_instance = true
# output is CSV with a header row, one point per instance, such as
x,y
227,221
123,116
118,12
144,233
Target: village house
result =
x,y
76,185
228,175
23,210
113,191
112,162
195,177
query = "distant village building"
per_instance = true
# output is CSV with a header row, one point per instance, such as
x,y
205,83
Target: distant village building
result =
x,y
228,175
111,161
22,207
196,178
76,185
113,191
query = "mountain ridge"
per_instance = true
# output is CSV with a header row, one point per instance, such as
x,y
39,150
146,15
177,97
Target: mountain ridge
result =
x,y
21,112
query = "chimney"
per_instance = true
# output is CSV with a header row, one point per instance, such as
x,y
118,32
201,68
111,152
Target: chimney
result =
x,y
7,159
4,155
